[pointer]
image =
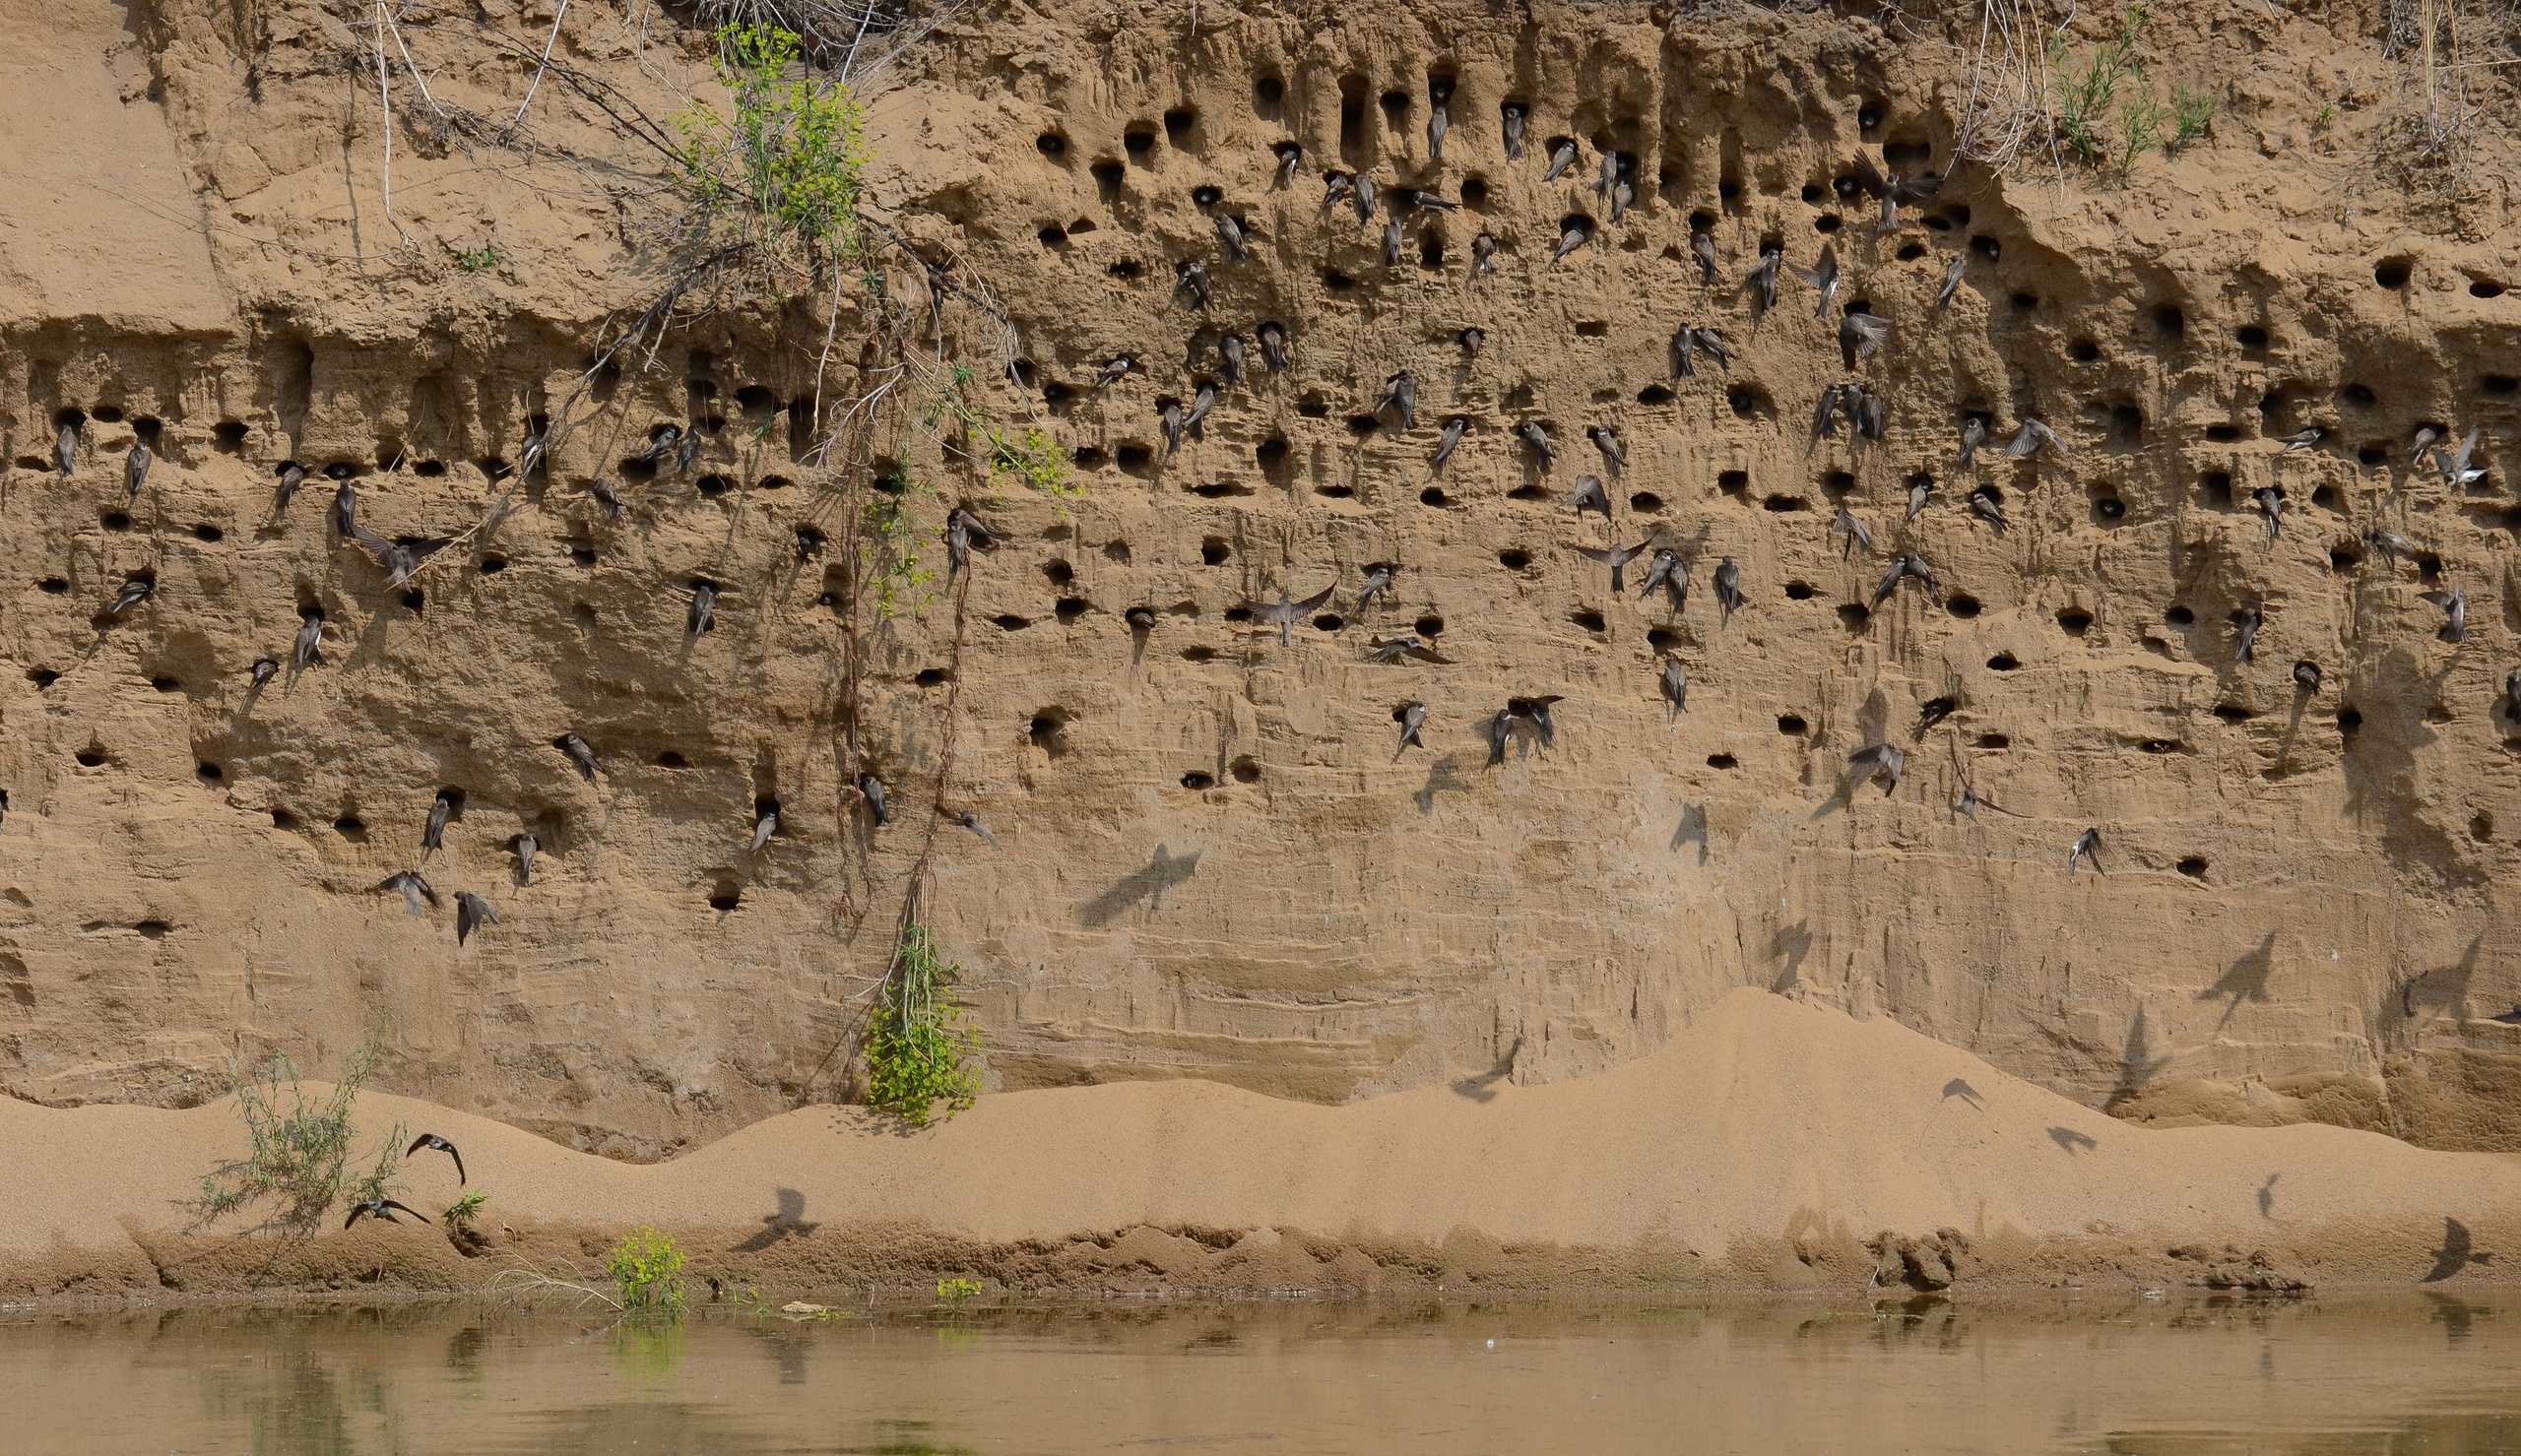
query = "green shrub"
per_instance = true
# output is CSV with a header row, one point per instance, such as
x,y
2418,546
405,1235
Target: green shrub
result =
x,y
646,1268
917,1042
956,1291
301,1145
891,548
794,150
464,1210
1033,459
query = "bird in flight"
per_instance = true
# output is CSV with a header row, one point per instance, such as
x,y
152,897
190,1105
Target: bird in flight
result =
x,y
436,1143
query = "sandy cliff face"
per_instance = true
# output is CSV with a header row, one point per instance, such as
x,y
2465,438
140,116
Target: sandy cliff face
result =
x,y
1214,861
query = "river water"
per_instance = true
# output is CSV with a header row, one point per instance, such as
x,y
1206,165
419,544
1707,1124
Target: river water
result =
x,y
2183,1373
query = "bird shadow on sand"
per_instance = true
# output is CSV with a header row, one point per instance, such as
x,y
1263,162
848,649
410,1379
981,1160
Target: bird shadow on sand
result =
x,y
1483,1087
1147,883
786,1221
2072,1141
2458,1251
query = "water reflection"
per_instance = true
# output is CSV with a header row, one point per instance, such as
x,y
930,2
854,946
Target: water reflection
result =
x,y
2186,1374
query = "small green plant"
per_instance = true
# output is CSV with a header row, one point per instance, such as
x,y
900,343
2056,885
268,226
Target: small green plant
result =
x,y
478,260
2141,119
2190,112
956,1291
2086,98
463,1211
916,1041
300,1155
795,148
1033,459
646,1268
891,547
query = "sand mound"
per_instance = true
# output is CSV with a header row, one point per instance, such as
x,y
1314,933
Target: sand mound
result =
x,y
1772,1141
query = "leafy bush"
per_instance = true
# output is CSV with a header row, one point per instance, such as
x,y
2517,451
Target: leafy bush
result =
x,y
794,149
956,1291
301,1145
891,548
1033,459
463,1211
2112,80
916,1041
646,1268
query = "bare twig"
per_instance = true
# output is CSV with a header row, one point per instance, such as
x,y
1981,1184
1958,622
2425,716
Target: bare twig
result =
x,y
385,105
531,86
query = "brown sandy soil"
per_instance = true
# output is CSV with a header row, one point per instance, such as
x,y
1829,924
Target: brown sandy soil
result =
x,y
1771,1145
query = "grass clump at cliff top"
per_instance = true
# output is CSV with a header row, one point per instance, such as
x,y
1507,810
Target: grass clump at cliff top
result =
x,y
792,151
917,1042
299,1159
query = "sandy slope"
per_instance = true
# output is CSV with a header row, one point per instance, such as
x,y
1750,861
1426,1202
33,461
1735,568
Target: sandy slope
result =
x,y
1771,1141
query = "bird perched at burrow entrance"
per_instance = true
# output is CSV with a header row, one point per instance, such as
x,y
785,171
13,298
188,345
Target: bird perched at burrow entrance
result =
x,y
1973,434
1952,272
2087,845
1433,202
2512,696
2271,504
662,439
1934,712
1728,587
1920,491
135,467
291,476
1703,248
1452,437
1866,410
1822,275
1400,395
1113,370
472,913
1985,505
1571,236
1273,344
1169,415
1335,187
2455,612
65,447
580,754
1515,118
1192,279
1668,571
1533,435
1202,402
1825,413
436,1143
526,847
1391,240
765,824
1483,253
2303,439
346,509
1470,340
1413,716
441,809
1230,231
1861,335
1561,157
1230,357
414,890
1675,684
1616,558
2307,676
871,789
1500,731
1879,760
263,671
133,593
2245,624
1590,496
1606,440
1290,157
1762,275
310,637
1363,195
704,608
607,497
1608,178
1287,610
689,451
963,531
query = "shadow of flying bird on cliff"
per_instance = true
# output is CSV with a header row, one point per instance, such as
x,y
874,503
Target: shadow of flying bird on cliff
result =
x,y
2247,980
1160,874
1691,829
2458,1251
1441,779
1483,1088
790,1220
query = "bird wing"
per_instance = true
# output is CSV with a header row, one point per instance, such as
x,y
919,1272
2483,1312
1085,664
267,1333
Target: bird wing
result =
x,y
413,1212
1889,579
2024,441
1611,556
2442,599
1869,178
1317,598
1916,189
1808,274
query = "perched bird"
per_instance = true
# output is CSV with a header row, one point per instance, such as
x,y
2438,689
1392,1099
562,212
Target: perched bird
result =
x,y
1290,157
1985,505
1867,410
2271,504
1561,157
963,531
1363,194
530,456
1920,491
379,1208
1952,272
135,467
1169,415
972,822
1483,253
1669,572
1973,434
133,593
1378,582
472,913
1533,435
1113,370
2425,436
2087,845
2455,612
2307,676
871,789
1716,348
1675,685
1139,618
414,890
1606,440
2245,631
1391,240
1412,719
1878,760
1470,340
1452,437
1230,232
1857,531
1334,188
660,440
1762,276
1821,276
579,754
1230,357
1728,587
763,827
1623,196
65,447
2303,439
686,452
1571,238
2033,434
1861,335
1703,248
346,509
1200,404
436,1143
1500,731
1192,279
310,637
1824,415
291,476
704,608
1274,344
526,847
606,497
264,670
1400,395
1433,202
1286,609
2456,472
1616,558
1590,496
440,810
1684,352
1514,114
1609,175
2511,695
